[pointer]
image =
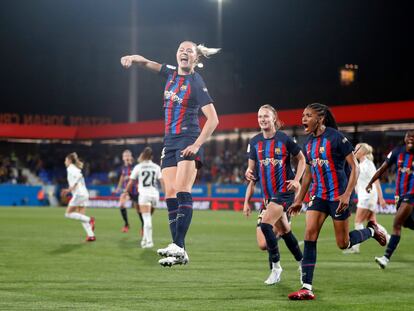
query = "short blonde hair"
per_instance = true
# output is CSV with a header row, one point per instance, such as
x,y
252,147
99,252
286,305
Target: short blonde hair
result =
x,y
367,150
278,123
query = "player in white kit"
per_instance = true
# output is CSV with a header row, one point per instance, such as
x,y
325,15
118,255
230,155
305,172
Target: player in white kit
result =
x,y
367,202
147,173
80,196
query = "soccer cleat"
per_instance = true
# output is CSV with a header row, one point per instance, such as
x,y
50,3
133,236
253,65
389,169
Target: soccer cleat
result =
x,y
125,229
302,294
172,261
382,261
172,250
378,233
274,276
149,245
90,239
92,223
352,250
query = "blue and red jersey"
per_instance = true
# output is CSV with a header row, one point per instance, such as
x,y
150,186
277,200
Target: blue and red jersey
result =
x,y
326,156
272,157
184,95
404,162
126,172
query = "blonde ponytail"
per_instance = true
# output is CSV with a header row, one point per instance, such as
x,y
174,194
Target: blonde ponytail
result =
x,y
278,123
74,159
204,51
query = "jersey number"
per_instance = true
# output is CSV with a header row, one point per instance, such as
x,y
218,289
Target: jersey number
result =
x,y
149,178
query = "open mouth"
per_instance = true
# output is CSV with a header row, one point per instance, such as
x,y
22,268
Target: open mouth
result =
x,y
184,60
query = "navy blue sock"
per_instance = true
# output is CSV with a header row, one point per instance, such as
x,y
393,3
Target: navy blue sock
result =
x,y
358,236
184,215
172,207
293,245
271,242
392,245
124,216
309,261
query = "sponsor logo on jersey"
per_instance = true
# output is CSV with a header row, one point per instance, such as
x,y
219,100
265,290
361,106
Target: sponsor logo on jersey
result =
x,y
271,161
320,162
173,96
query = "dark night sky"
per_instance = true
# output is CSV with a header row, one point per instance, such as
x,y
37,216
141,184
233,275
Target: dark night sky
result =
x,y
62,57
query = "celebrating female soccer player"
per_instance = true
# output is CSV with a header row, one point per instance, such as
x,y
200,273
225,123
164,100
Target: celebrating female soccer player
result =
x,y
326,151
185,93
80,195
367,202
403,158
132,194
147,173
269,159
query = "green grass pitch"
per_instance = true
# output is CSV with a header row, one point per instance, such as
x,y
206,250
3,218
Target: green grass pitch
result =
x,y
46,265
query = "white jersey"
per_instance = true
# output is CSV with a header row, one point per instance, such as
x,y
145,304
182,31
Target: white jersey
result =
x,y
147,173
75,177
366,171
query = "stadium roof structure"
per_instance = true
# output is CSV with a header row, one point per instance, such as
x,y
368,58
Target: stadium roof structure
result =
x,y
351,114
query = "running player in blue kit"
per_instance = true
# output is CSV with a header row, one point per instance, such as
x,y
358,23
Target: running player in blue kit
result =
x,y
132,195
269,160
403,159
185,94
326,151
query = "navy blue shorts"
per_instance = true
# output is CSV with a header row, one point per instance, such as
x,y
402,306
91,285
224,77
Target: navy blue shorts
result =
x,y
171,153
409,222
133,197
284,199
328,207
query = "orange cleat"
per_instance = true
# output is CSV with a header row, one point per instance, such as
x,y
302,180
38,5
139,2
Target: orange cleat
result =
x,y
90,239
125,229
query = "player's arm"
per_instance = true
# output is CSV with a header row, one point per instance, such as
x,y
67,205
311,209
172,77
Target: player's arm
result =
x,y
306,181
377,175
212,121
141,61
295,183
381,200
249,174
249,193
353,177
120,182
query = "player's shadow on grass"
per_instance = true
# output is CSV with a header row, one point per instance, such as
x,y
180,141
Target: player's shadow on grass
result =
x,y
66,248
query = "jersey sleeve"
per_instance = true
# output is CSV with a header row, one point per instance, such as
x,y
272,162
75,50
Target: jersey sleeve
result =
x,y
344,145
135,172
251,151
307,156
202,96
392,156
292,147
167,70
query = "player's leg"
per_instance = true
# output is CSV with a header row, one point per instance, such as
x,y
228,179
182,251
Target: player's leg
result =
x,y
285,232
362,214
145,208
89,226
168,175
403,213
75,212
315,218
124,213
184,180
273,213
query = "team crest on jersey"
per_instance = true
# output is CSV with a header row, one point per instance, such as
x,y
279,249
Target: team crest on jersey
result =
x,y
321,149
277,151
183,88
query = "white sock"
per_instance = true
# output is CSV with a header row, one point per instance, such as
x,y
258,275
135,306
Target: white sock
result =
x,y
78,216
276,265
359,226
88,228
372,231
307,286
146,217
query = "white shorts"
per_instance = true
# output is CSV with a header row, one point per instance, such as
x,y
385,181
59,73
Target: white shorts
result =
x,y
368,202
148,200
79,200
